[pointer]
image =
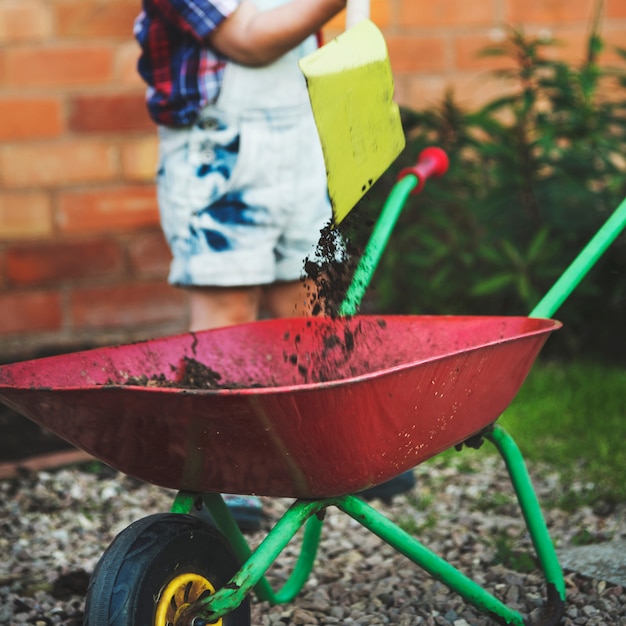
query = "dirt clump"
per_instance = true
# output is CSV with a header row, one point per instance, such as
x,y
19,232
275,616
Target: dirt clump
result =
x,y
191,375
330,268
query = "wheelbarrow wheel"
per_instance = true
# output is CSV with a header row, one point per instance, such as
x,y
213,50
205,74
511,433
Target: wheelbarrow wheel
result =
x,y
156,567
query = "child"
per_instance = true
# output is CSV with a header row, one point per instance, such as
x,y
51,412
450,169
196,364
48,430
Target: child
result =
x,y
241,181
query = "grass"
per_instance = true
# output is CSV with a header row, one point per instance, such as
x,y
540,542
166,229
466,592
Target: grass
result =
x,y
573,417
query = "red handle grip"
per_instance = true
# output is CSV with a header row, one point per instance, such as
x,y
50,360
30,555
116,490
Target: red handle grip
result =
x,y
432,161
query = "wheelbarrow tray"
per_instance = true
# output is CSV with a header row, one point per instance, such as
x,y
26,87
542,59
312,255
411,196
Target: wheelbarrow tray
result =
x,y
308,408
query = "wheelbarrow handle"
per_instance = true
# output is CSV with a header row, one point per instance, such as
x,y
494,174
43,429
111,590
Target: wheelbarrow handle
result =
x,y
581,265
431,162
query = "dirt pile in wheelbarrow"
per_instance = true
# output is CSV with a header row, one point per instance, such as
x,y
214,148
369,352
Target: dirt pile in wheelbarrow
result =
x,y
191,375
306,351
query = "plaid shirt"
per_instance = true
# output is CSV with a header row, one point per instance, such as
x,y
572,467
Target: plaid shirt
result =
x,y
182,74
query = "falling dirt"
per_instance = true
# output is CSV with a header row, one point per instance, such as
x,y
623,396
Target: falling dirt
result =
x,y
330,269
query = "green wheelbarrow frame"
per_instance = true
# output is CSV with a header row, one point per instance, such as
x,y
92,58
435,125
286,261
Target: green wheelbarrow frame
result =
x,y
310,513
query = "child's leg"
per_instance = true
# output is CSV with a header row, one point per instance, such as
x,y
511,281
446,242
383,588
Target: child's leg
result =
x,y
289,298
213,307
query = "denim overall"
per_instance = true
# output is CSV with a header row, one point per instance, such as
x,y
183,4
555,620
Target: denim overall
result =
x,y
243,193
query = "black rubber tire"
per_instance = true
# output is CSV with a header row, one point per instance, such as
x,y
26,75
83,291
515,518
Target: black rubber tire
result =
x,y
143,559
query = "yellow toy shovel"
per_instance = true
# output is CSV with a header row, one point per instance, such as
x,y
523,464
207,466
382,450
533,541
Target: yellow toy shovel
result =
x,y
350,86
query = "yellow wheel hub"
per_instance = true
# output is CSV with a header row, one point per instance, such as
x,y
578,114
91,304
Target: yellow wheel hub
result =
x,y
178,595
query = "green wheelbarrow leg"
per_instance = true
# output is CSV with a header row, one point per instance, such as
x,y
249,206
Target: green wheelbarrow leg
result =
x,y
281,535
449,575
535,523
432,563
255,564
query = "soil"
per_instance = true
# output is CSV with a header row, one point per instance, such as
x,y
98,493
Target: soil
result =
x,y
331,268
193,375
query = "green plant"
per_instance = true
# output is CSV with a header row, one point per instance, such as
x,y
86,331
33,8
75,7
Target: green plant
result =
x,y
416,527
571,417
509,556
532,177
495,501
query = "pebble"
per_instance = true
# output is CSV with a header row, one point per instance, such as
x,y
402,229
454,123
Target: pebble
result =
x,y
55,525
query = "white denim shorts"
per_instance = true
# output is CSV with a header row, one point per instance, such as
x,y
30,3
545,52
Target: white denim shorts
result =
x,y
242,200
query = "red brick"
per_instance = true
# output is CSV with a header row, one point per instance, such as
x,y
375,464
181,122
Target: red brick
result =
x,y
411,54
25,216
473,90
570,47
59,66
29,312
467,54
420,91
547,12
149,254
127,306
614,38
59,261
55,164
380,14
614,9
24,20
103,210
446,13
30,118
102,113
86,20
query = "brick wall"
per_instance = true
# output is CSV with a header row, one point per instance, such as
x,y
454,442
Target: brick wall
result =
x,y
82,259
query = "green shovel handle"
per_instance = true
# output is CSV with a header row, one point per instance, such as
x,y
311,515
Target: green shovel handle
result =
x,y
581,265
431,162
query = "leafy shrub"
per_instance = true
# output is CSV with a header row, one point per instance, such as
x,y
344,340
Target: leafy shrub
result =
x,y
533,176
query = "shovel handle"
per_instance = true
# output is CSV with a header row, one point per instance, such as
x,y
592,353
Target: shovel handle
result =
x,y
356,11
432,162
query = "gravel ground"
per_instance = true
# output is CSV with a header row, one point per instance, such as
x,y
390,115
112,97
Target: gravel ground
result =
x,y
55,526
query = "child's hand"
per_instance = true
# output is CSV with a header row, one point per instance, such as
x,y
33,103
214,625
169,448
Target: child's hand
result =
x,y
255,38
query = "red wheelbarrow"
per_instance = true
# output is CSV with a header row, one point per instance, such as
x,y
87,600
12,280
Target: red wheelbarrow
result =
x,y
312,409
315,409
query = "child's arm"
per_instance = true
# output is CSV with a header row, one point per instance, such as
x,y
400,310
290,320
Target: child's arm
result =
x,y
253,37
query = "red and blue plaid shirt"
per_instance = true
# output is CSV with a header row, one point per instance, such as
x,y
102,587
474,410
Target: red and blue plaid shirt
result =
x,y
181,72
